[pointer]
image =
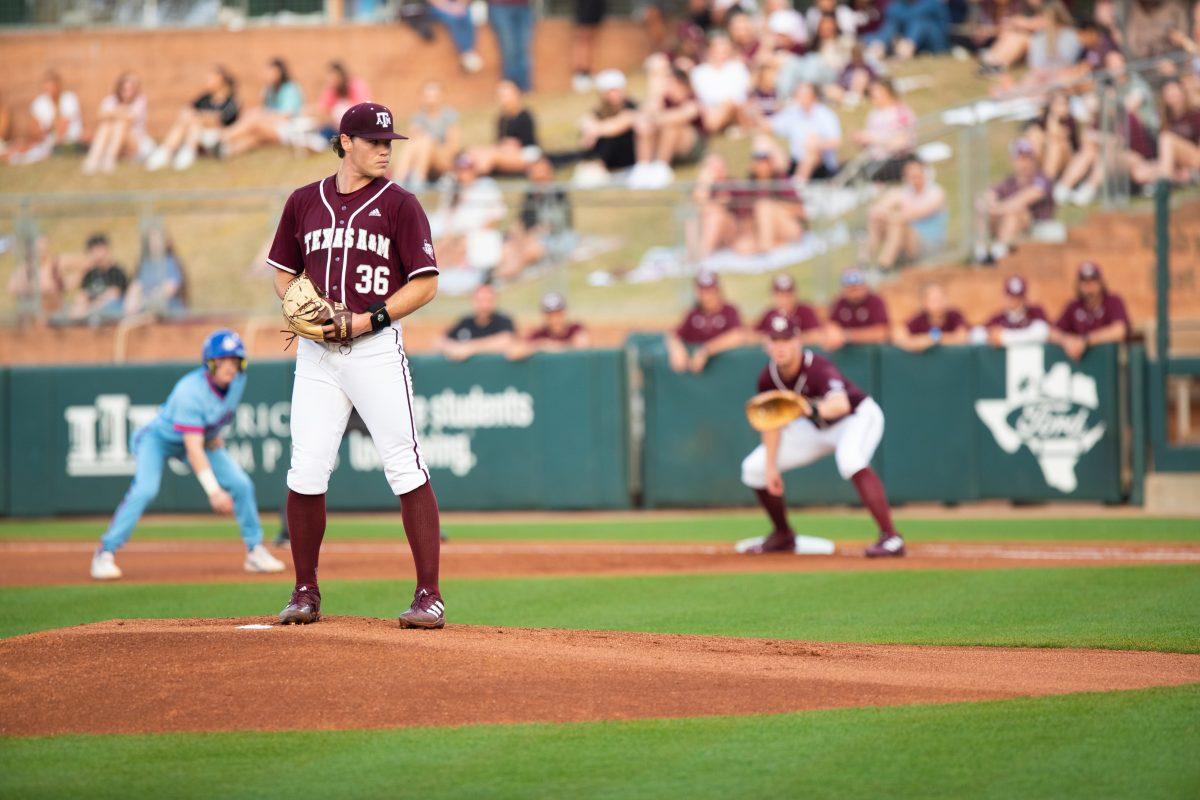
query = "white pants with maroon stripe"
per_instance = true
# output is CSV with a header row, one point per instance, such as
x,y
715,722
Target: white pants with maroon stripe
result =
x,y
372,377
852,440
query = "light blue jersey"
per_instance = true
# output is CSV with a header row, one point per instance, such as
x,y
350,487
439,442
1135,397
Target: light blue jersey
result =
x,y
196,406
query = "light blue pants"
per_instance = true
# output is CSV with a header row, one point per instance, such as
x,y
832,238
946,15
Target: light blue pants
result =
x,y
152,452
513,25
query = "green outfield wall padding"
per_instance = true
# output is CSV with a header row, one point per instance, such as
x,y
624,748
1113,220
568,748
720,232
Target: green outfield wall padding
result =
x,y
5,460
547,432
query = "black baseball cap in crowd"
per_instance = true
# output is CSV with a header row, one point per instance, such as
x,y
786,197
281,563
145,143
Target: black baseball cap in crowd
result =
x,y
781,329
369,121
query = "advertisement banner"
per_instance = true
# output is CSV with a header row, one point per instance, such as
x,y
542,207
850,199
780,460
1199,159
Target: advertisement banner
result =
x,y
547,432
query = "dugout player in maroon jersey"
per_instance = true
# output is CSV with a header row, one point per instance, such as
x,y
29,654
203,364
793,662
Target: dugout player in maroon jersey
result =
x,y
845,422
785,303
1020,322
858,316
1095,316
936,323
365,242
711,326
556,333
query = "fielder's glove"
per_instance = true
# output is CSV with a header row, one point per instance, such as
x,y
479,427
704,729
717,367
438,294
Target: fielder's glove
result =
x,y
306,310
769,411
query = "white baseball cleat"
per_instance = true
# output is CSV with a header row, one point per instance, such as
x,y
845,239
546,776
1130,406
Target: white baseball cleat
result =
x,y
259,560
804,546
104,566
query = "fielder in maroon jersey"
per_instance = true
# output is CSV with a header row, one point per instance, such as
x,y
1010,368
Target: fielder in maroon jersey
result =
x,y
364,242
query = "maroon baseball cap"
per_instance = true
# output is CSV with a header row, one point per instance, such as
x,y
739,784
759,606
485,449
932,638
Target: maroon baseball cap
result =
x,y
368,121
1089,271
1014,286
781,328
706,279
783,283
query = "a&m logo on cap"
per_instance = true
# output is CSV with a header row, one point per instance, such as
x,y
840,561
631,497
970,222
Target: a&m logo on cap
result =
x,y
383,119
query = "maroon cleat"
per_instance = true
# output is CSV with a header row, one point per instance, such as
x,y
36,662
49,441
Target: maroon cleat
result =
x,y
305,607
427,611
777,542
889,545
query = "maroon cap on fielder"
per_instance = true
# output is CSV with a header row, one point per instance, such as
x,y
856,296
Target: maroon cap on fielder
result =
x,y
368,121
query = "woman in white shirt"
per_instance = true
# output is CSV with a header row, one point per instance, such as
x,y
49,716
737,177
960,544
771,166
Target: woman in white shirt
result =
x,y
722,85
121,130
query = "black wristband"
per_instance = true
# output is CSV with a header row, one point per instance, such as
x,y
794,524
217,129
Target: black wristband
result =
x,y
379,317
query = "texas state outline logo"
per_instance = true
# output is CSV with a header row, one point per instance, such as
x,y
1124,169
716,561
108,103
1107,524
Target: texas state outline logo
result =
x,y
1052,413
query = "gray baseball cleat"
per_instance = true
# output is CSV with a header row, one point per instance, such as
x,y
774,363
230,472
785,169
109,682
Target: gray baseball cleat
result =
x,y
305,607
427,611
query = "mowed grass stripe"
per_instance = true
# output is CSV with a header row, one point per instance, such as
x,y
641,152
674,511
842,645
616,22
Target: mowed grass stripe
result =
x,y
1151,608
717,526
1127,744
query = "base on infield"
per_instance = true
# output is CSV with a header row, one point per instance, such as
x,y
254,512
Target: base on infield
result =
x,y
805,545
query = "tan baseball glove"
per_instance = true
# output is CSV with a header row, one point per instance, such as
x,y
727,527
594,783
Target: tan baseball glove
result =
x,y
769,411
306,311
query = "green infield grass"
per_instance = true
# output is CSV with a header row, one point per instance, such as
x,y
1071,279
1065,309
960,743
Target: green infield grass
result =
x,y
1151,608
714,526
1127,744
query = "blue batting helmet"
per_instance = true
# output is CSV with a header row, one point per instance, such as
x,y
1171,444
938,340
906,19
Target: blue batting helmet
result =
x,y
222,343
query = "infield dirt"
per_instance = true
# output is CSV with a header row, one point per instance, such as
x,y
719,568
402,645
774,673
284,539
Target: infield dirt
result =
x,y
130,676
39,563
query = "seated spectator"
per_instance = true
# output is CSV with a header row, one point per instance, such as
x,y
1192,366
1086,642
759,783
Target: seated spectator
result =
x,y
158,286
858,316
199,125
466,228
543,228
820,66
1011,208
785,27
856,77
279,120
712,326
557,333
484,330
121,128
1149,25
39,284
433,140
102,287
785,303
712,228
456,16
1179,138
847,19
744,36
769,203
764,94
1012,42
813,134
58,120
722,85
913,26
341,91
668,131
890,132
1054,137
936,323
607,132
1019,322
516,136
1095,316
908,220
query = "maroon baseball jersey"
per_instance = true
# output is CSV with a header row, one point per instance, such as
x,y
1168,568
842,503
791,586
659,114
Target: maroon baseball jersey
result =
x,y
1081,320
699,327
544,333
921,323
817,378
803,317
1019,319
869,312
358,248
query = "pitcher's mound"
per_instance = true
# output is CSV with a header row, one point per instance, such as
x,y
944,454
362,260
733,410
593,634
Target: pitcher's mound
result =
x,y
129,676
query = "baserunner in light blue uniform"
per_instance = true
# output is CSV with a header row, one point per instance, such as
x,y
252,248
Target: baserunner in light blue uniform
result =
x,y
188,427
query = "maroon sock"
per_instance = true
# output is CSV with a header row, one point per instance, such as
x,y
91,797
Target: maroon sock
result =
x,y
306,528
870,489
419,510
776,508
